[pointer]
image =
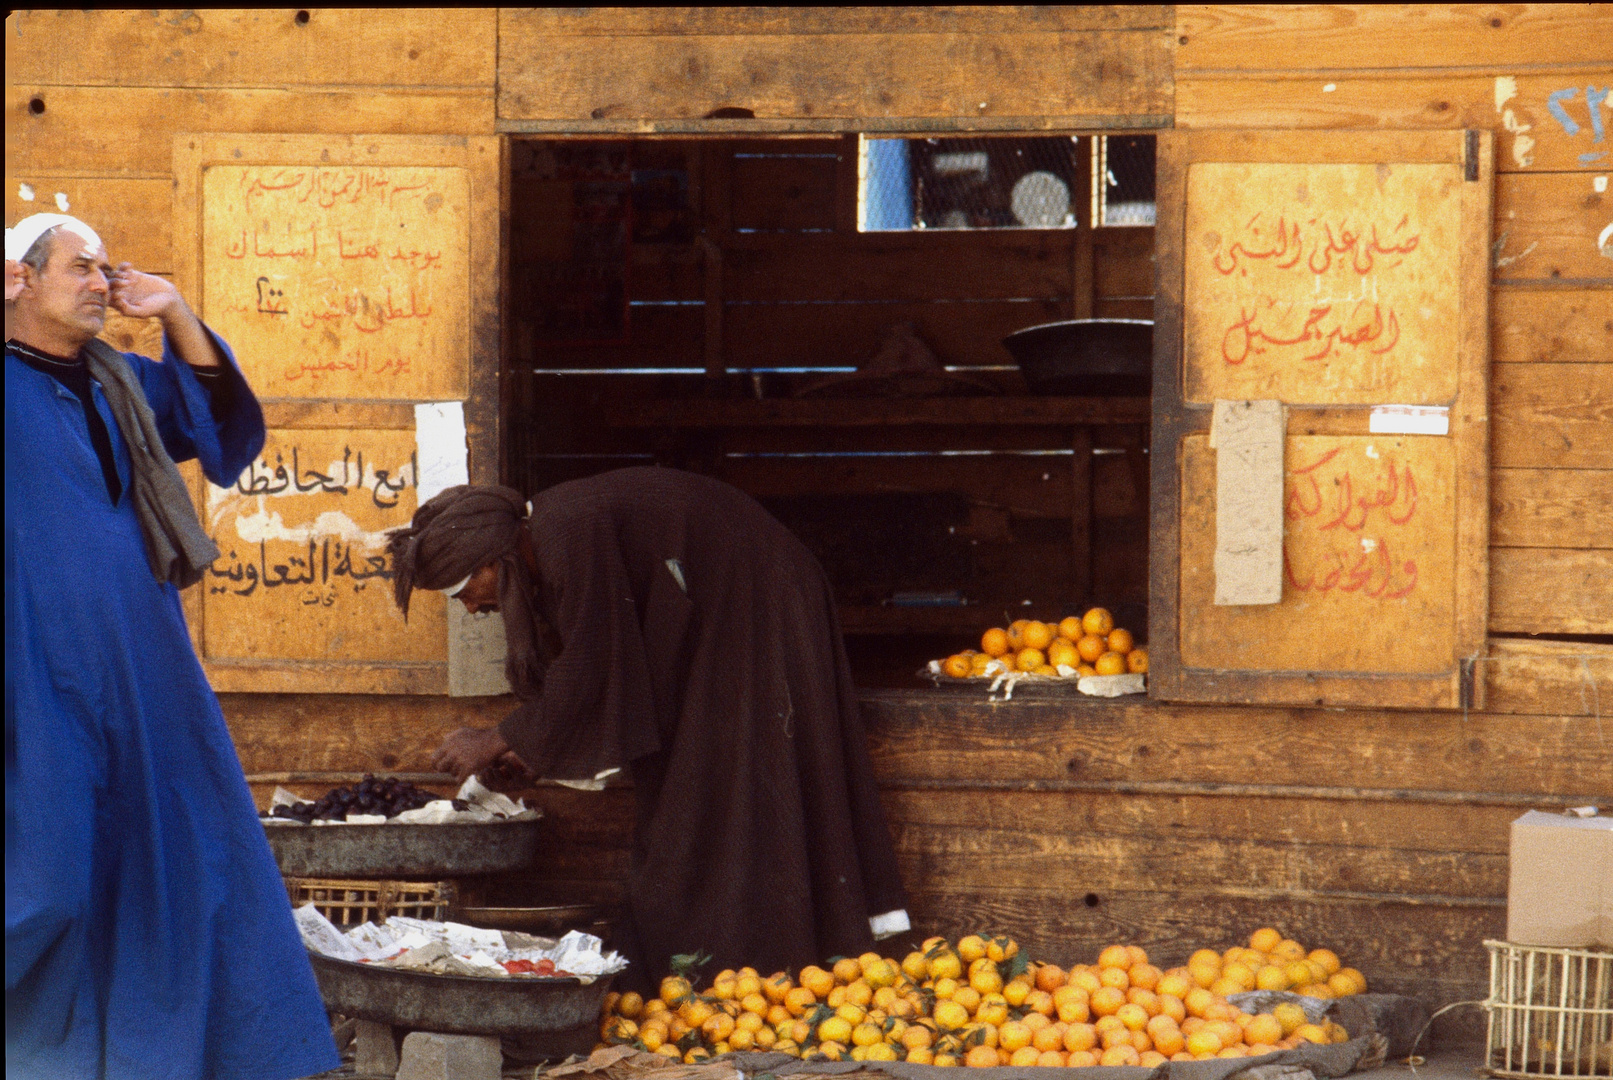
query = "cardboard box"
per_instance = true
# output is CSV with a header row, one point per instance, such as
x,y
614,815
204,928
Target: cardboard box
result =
x,y
1560,889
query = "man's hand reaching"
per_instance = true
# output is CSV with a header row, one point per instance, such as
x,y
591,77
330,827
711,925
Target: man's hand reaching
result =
x,y
468,751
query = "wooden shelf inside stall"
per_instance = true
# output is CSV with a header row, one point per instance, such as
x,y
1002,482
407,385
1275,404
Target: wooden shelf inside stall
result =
x,y
752,442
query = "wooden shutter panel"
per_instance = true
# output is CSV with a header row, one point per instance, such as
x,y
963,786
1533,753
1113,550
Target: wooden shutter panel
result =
x,y
355,277
1346,276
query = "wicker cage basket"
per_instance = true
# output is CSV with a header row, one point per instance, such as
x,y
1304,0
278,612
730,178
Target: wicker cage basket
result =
x,y
351,903
1550,1011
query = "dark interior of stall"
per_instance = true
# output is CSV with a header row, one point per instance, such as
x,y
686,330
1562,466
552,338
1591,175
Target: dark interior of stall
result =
x,y
820,322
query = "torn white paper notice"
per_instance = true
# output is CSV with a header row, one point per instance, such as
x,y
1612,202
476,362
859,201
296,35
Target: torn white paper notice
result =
x,y
1248,439
1409,420
1111,685
439,439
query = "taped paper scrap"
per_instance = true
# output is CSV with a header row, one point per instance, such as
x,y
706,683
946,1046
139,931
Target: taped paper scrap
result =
x,y
1410,420
439,438
1248,440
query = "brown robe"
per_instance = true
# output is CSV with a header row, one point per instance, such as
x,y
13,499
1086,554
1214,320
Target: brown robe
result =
x,y
760,838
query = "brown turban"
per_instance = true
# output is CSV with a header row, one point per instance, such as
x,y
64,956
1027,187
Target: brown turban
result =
x,y
456,533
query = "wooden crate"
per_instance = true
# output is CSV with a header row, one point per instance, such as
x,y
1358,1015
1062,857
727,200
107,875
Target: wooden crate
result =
x,y
1551,1011
353,903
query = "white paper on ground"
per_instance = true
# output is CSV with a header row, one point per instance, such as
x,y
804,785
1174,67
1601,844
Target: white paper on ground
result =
x,y
439,439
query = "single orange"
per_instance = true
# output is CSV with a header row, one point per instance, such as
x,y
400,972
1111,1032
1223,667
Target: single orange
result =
x,y
1137,661
1098,621
1086,669
1016,634
1063,653
1091,647
1110,663
956,666
1120,641
1029,659
994,642
1070,628
1038,635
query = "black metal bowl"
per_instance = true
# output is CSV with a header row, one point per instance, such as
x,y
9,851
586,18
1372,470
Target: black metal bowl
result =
x,y
1086,357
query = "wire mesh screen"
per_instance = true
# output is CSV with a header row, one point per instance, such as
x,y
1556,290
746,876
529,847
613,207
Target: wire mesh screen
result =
x,y
1123,180
970,183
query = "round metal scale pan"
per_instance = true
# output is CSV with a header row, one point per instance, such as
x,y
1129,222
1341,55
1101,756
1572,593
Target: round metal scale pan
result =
x,y
404,851
457,1004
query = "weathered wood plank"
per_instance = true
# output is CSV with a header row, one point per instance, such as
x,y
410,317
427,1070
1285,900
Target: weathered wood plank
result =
x,y
1284,37
960,333
1327,824
1123,262
1033,487
1547,225
550,76
1543,326
1551,508
251,47
1047,859
134,217
1528,136
673,21
1551,591
917,738
130,130
854,412
1552,416
786,194
934,265
1569,678
1105,307
334,732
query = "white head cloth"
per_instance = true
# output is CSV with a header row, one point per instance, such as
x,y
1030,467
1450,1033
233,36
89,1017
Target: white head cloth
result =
x,y
21,236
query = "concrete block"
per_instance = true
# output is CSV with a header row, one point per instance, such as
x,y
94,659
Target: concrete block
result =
x,y
375,1050
430,1056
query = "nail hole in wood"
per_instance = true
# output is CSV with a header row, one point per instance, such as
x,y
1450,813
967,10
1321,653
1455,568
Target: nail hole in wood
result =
x,y
36,105
302,18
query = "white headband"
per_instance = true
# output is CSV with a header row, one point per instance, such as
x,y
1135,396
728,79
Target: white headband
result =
x,y
23,235
454,590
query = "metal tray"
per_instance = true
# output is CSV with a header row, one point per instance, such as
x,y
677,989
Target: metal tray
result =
x,y
1086,357
404,851
458,1004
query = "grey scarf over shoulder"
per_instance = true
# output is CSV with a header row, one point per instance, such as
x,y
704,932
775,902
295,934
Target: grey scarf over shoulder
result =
x,y
177,546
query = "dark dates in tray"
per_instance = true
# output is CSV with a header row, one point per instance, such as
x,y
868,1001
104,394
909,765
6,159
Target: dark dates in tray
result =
x,y
389,797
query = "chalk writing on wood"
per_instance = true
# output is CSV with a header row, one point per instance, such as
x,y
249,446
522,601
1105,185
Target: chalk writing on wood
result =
x,y
1322,283
303,572
1368,563
340,282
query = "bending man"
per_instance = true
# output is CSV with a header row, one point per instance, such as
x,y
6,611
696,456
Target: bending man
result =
x,y
663,622
147,928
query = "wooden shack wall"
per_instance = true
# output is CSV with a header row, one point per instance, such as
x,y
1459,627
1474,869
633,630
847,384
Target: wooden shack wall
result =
x,y
1382,833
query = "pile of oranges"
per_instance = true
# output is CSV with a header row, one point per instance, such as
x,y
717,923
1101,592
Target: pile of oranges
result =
x,y
1089,645
981,1003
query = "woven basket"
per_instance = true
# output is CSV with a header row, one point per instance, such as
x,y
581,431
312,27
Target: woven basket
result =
x,y
1550,1012
351,903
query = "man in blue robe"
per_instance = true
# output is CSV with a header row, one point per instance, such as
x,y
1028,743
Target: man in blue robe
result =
x,y
148,933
